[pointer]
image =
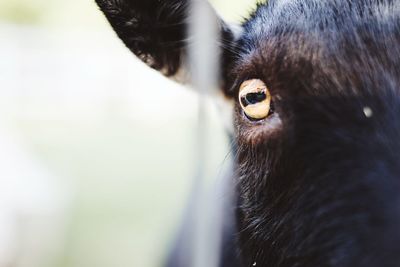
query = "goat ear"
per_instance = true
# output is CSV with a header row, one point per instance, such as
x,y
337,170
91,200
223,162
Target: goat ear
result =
x,y
156,31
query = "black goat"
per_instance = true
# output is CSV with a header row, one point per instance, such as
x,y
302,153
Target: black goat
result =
x,y
316,86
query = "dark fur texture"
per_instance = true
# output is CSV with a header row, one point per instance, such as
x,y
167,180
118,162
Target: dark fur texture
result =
x,y
318,183
153,30
156,32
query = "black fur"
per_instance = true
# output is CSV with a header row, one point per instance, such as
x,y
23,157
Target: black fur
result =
x,y
153,30
156,32
318,183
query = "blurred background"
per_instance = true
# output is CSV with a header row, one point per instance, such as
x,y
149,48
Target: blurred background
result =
x,y
90,173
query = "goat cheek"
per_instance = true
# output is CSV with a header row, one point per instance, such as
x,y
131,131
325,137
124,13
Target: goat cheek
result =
x,y
267,132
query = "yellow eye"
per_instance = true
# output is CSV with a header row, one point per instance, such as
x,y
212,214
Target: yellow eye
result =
x,y
255,99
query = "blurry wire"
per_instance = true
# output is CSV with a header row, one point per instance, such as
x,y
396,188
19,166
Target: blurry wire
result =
x,y
203,60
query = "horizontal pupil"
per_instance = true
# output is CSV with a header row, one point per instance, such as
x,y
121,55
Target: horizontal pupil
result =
x,y
253,98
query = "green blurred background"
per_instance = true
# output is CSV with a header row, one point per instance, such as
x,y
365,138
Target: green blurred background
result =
x,y
73,98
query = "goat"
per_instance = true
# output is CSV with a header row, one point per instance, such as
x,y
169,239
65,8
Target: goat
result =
x,y
315,86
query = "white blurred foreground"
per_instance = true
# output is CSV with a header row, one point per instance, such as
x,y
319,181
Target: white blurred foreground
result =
x,y
33,207
95,151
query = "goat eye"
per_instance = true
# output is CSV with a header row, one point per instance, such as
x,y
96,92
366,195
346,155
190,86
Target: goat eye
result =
x,y
255,99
